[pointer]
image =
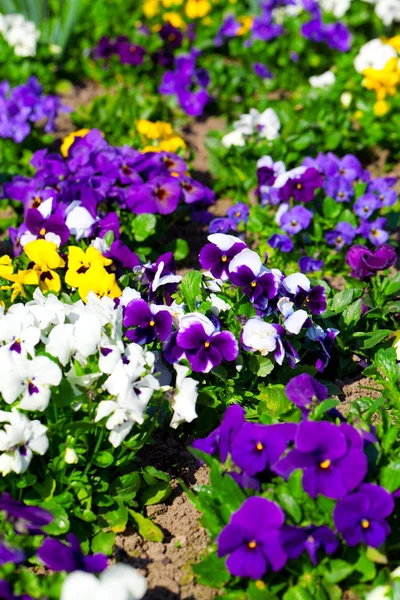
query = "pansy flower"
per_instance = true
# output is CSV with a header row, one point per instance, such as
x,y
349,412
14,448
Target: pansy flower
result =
x,y
217,255
145,322
256,281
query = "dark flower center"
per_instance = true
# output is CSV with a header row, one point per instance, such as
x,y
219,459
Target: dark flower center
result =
x,y
82,269
339,239
342,171
299,186
365,523
341,195
132,49
186,186
46,275
310,539
126,170
171,37
224,258
381,197
374,232
168,162
252,545
36,202
294,223
325,464
161,194
366,209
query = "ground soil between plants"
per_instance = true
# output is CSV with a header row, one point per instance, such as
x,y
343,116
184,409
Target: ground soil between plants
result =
x,y
168,564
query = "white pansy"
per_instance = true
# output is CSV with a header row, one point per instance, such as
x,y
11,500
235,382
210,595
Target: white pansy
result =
x,y
321,81
119,582
346,99
293,282
159,280
79,220
19,33
373,54
338,7
269,125
278,167
184,400
19,336
233,138
127,295
20,438
30,378
218,305
293,319
388,11
47,310
259,336
100,244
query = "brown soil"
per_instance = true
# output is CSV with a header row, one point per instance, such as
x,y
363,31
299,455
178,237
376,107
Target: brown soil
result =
x,y
354,389
167,565
78,95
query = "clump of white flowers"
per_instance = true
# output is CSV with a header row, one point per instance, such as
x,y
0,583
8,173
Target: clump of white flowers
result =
x,y
266,125
22,35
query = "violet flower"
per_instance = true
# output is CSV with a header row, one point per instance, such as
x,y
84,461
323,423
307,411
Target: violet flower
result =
x,y
296,219
222,438
146,323
311,539
26,520
381,187
203,345
342,235
365,263
229,29
281,242
217,255
252,539
302,186
305,392
160,195
257,446
262,71
221,225
255,280
60,556
7,592
9,554
366,205
339,188
333,464
310,265
238,213
361,516
374,231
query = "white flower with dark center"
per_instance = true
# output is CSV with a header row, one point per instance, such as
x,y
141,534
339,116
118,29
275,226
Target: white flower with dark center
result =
x,y
19,335
20,438
30,378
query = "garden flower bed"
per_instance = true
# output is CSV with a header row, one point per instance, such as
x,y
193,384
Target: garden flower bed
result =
x,y
199,300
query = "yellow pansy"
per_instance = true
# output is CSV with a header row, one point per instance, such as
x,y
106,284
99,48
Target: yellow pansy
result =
x,y
175,19
246,23
70,138
161,134
6,267
197,9
170,3
384,81
46,259
99,281
80,262
381,108
151,8
394,42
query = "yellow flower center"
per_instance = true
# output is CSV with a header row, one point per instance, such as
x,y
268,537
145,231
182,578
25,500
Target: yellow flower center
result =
x,y
299,186
224,258
325,464
253,284
151,323
206,344
251,545
365,523
42,231
259,446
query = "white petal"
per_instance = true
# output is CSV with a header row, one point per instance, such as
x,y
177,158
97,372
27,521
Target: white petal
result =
x,y
295,322
81,586
223,240
246,258
195,317
122,582
294,281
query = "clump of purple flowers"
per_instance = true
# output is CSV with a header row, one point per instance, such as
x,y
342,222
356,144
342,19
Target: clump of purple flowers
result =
x,y
260,537
87,194
365,263
26,104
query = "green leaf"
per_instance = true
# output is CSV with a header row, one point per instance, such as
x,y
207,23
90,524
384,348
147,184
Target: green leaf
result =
x,y
297,593
339,570
179,247
103,459
390,476
374,338
393,286
376,556
290,505
330,208
190,288
261,365
156,493
117,518
126,486
324,406
274,399
352,313
143,226
212,571
341,300
60,524
104,542
147,529
157,473
386,361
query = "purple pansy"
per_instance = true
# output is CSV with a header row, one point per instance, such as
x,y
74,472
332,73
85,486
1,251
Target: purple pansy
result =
x,y
366,205
365,263
296,219
301,186
229,29
333,464
256,446
145,323
203,344
252,539
311,539
217,255
305,392
281,242
382,188
238,213
60,556
361,516
255,280
25,519
262,71
373,230
343,234
7,592
339,188
160,195
221,225
222,437
310,265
